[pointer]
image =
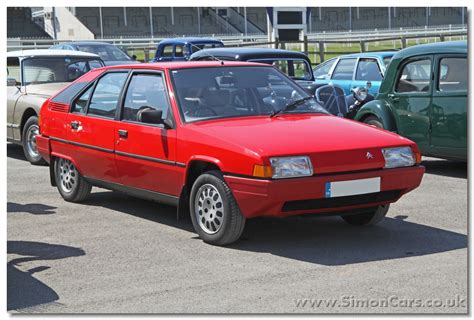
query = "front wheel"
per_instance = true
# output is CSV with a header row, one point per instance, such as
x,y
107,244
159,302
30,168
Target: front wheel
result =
x,y
374,121
30,131
215,214
369,218
71,184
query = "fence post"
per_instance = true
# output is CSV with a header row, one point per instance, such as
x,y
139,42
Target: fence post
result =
x,y
441,38
305,45
363,47
321,51
404,42
147,55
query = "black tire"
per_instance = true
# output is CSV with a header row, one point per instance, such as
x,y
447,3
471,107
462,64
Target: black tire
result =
x,y
374,121
29,148
73,192
232,221
367,218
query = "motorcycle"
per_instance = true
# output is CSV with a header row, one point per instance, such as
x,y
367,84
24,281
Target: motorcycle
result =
x,y
334,100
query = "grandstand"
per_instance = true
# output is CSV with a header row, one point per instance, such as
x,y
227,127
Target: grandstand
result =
x,y
146,22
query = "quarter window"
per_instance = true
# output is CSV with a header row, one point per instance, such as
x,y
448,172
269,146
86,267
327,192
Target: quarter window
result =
x,y
81,103
415,77
146,91
453,74
368,70
344,69
106,94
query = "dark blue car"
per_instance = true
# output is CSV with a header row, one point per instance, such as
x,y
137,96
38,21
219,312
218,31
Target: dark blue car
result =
x,y
180,49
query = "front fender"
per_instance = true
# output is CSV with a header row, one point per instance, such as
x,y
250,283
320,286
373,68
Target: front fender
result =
x,y
382,110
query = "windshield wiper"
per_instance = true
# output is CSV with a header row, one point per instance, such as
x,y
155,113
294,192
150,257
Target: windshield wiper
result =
x,y
290,106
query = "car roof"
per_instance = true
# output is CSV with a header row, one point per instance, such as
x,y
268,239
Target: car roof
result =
x,y
380,54
186,65
50,53
243,54
185,40
431,48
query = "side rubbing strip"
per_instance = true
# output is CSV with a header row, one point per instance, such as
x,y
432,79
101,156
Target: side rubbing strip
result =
x,y
124,154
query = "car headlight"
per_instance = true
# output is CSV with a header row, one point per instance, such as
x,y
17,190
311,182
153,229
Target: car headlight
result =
x,y
290,167
399,157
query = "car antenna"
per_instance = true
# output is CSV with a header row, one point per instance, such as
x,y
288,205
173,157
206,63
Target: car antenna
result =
x,y
210,54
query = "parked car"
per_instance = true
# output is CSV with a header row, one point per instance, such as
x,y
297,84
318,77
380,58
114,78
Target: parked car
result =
x,y
294,64
216,140
424,97
109,53
180,49
354,70
32,77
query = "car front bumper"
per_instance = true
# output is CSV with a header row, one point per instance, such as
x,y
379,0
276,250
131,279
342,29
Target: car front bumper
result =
x,y
285,197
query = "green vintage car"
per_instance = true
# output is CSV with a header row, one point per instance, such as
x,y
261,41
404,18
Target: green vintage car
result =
x,y
424,98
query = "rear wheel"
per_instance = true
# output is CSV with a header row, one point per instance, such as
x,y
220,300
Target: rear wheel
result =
x,y
30,131
374,121
71,185
215,214
367,218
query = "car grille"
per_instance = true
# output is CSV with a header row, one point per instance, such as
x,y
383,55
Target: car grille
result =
x,y
325,203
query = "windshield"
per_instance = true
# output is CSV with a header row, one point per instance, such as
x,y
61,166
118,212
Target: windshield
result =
x,y
226,92
56,69
296,69
195,47
106,52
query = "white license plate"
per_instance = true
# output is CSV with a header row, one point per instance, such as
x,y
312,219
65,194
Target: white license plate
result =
x,y
352,187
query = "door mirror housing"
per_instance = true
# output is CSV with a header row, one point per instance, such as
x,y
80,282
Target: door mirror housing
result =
x,y
11,82
153,116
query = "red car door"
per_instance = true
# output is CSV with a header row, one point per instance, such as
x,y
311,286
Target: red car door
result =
x,y
146,153
91,127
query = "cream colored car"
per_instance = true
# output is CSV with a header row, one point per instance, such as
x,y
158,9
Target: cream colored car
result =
x,y
32,77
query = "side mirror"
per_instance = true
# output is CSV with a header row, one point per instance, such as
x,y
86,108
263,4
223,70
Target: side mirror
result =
x,y
153,116
134,57
11,82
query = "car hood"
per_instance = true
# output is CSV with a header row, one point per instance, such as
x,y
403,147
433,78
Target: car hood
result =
x,y
46,89
334,144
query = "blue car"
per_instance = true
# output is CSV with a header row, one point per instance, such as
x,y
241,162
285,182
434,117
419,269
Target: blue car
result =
x,y
180,49
354,70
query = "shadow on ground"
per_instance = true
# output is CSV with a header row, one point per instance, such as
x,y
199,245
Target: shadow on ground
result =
x,y
32,208
320,240
446,168
15,151
23,289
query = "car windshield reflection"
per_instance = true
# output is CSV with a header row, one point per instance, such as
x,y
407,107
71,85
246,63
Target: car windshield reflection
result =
x,y
229,92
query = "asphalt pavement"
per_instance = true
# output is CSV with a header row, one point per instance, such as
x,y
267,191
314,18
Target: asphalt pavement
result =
x,y
118,254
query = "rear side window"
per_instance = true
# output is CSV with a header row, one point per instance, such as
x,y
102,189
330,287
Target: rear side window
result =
x,y
178,51
368,70
415,77
453,74
167,51
344,69
321,71
13,69
146,91
106,95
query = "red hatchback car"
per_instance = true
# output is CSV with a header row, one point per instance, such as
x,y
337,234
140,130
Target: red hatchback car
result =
x,y
225,141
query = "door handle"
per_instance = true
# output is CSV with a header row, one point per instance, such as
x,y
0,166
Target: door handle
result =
x,y
393,97
75,125
123,133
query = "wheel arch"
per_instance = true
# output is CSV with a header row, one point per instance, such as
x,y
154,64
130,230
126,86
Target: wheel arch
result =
x,y
381,110
28,113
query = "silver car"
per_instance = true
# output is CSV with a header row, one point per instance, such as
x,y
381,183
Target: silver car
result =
x,y
32,77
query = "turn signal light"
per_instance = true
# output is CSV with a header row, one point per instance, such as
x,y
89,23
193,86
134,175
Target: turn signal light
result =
x,y
262,171
418,157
